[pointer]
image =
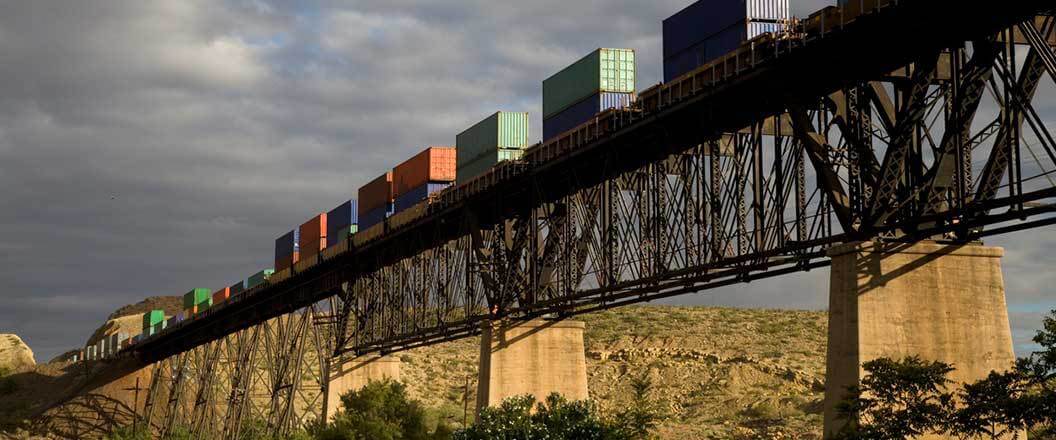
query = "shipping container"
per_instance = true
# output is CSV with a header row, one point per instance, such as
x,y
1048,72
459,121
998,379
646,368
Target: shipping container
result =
x,y
434,164
189,312
204,305
221,295
413,196
467,172
375,194
343,235
408,215
153,317
341,218
287,246
502,130
196,296
258,278
238,287
312,238
582,111
709,29
287,261
376,216
603,70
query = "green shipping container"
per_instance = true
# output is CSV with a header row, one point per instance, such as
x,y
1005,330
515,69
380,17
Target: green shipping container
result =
x,y
258,278
153,317
344,233
196,297
604,70
507,130
479,166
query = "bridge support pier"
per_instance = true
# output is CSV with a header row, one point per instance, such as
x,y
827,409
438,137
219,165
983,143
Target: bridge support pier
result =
x,y
356,374
535,357
940,302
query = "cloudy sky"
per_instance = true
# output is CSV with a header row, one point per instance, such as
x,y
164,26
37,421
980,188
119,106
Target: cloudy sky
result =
x,y
150,147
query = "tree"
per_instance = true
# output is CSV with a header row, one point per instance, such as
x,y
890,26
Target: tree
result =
x,y
898,400
642,415
378,411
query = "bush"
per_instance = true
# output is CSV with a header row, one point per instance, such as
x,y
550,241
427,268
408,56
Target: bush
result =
x,y
555,419
378,411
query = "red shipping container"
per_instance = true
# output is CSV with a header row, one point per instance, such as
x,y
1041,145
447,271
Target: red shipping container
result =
x,y
288,261
312,233
221,295
375,194
435,164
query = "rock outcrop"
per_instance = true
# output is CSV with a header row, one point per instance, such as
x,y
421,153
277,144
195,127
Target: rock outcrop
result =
x,y
14,354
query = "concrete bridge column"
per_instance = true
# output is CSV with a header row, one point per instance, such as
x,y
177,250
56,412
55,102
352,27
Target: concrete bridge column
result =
x,y
535,357
940,302
357,373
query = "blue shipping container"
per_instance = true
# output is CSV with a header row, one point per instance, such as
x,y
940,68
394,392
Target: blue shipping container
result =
x,y
343,216
705,20
412,197
703,52
374,216
286,245
238,287
582,111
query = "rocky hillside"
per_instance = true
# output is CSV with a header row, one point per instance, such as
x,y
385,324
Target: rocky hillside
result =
x,y
719,373
14,354
170,304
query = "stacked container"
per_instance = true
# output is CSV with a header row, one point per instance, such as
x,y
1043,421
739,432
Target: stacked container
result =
x,y
375,201
197,301
221,295
341,223
152,318
427,172
501,136
238,288
312,236
287,249
709,29
603,79
258,278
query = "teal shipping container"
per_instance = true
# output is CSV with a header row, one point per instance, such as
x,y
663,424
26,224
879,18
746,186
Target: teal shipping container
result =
x,y
502,130
604,70
196,297
153,317
483,163
258,278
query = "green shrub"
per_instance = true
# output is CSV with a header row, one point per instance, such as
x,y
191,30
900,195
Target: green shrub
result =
x,y
378,411
555,419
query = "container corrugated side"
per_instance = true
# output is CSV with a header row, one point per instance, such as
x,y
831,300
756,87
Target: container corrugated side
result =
x,y
287,243
507,130
376,216
335,249
408,215
196,296
434,164
313,235
221,295
603,70
582,111
238,287
280,275
412,197
153,317
699,21
341,217
306,263
377,192
473,169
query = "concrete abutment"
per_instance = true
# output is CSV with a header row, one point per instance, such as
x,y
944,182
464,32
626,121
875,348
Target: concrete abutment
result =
x,y
357,373
535,357
939,302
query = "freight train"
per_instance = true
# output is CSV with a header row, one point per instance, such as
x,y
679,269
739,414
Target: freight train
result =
x,y
595,97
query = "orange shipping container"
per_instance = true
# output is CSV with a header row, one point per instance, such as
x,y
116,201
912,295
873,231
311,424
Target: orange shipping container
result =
x,y
375,194
435,164
190,312
312,232
221,295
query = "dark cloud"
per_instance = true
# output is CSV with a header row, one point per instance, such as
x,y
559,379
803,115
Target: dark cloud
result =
x,y
150,147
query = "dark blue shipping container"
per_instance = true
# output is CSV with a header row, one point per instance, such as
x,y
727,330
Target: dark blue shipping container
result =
x,y
699,21
286,245
343,216
238,287
582,111
701,53
374,217
412,197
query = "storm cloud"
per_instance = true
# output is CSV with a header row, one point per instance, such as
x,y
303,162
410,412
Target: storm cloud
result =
x,y
147,148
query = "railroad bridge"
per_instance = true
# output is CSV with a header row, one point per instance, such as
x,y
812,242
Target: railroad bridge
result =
x,y
884,139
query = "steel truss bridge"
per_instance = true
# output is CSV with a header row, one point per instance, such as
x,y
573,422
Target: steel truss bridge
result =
x,y
897,120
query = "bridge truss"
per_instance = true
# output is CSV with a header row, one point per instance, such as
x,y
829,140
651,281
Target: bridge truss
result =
x,y
916,120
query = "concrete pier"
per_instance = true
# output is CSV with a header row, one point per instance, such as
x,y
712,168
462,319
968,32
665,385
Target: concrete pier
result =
x,y
357,373
940,302
536,357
